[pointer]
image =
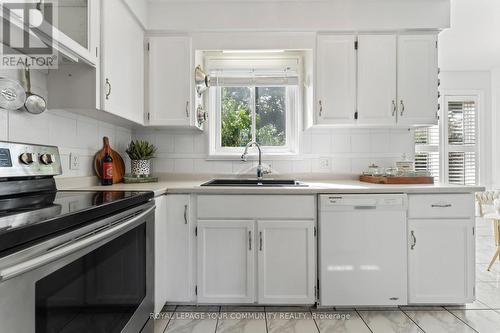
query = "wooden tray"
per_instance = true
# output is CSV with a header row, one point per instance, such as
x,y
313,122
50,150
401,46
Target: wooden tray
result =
x,y
397,179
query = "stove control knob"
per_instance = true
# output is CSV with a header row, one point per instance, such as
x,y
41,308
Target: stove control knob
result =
x,y
26,158
46,159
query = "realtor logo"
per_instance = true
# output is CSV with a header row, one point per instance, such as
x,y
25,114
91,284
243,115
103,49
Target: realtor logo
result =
x,y
27,35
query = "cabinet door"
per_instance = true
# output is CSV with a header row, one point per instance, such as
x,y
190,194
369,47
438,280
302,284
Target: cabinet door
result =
x,y
417,80
286,262
441,261
377,79
336,79
169,81
161,271
226,261
178,255
122,62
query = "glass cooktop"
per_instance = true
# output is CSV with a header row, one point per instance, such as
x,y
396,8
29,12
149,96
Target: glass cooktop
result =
x,y
24,218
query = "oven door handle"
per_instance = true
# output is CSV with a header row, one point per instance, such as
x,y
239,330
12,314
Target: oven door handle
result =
x,y
72,247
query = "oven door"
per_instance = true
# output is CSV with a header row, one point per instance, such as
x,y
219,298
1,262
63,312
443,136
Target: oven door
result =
x,y
96,279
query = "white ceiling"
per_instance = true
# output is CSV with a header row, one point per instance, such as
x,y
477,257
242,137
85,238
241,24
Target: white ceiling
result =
x,y
473,42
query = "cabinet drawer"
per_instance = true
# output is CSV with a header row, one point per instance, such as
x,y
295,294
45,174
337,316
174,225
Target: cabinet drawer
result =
x,y
441,205
256,206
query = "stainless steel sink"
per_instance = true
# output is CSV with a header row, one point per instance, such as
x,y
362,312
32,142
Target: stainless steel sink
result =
x,y
255,182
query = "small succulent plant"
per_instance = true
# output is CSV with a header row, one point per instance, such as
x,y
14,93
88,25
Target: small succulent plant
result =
x,y
141,150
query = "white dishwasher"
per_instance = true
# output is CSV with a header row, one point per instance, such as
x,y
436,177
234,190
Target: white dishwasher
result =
x,y
363,250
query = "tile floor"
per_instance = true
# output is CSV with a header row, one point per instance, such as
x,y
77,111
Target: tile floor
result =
x,y
481,316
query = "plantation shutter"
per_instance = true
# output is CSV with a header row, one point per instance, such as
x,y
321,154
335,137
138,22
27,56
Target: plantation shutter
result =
x,y
462,142
427,150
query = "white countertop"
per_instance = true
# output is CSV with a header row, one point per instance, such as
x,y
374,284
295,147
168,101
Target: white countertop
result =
x,y
315,186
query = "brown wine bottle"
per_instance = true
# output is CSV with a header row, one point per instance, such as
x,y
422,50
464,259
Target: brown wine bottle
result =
x,y
107,167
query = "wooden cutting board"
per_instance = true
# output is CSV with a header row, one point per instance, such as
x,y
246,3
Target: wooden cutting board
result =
x,y
397,180
118,164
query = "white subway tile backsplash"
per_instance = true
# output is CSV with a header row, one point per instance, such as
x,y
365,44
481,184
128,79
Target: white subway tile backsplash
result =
x,y
341,165
301,166
164,142
29,128
184,143
401,141
341,142
183,165
88,134
107,130
200,143
305,143
63,130
379,142
281,166
360,142
320,143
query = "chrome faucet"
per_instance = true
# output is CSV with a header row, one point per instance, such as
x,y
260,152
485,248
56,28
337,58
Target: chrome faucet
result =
x,y
260,169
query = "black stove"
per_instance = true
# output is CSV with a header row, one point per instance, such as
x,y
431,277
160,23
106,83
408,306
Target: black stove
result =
x,y
32,209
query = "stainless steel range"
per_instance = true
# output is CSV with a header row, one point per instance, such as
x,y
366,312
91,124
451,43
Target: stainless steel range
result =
x,y
70,261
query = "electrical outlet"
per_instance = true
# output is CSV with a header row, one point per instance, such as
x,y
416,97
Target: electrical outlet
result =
x,y
324,163
74,161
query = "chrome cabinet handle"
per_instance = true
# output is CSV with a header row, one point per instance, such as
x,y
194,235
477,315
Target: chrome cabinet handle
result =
x,y
108,92
260,241
441,205
413,240
402,107
187,109
250,241
394,108
66,249
320,108
185,214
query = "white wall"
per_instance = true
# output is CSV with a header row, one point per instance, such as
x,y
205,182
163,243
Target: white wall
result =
x,y
72,133
349,151
140,9
495,137
476,81
300,15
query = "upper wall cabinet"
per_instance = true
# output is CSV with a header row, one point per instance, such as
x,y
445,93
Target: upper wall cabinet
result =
x,y
417,80
171,75
377,80
122,72
336,79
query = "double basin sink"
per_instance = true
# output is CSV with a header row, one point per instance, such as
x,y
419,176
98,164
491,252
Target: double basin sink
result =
x,y
255,183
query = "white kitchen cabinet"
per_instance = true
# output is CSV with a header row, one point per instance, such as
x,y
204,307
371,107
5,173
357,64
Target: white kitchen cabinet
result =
x,y
377,79
226,261
417,80
177,257
122,72
286,262
170,79
441,261
335,79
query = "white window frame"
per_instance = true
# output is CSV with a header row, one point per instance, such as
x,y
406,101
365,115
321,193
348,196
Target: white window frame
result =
x,y
443,148
294,102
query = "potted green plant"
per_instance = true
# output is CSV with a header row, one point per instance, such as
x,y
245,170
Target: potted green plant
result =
x,y
140,153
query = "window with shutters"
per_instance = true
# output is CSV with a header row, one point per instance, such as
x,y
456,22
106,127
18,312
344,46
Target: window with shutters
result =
x,y
449,151
253,98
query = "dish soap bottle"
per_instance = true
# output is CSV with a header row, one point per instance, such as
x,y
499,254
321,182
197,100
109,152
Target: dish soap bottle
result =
x,y
107,167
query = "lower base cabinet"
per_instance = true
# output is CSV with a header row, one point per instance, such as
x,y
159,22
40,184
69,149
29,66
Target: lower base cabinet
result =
x,y
265,262
286,262
226,261
441,261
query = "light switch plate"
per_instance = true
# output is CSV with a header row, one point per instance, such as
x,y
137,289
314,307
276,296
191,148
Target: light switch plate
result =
x,y
74,161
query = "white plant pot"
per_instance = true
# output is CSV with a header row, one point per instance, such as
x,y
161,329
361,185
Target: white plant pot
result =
x,y
141,168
